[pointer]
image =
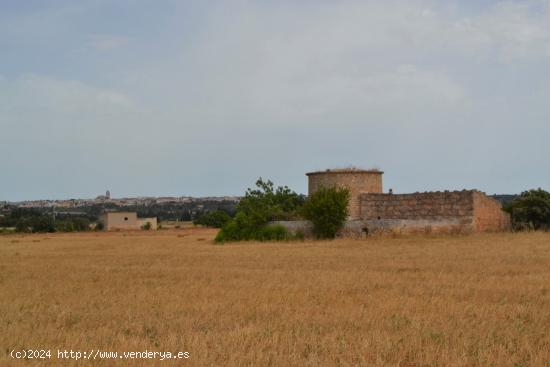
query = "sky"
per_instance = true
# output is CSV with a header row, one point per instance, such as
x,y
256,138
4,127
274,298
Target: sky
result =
x,y
200,98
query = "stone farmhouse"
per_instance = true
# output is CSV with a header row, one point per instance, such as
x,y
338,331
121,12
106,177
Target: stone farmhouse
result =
x,y
125,221
371,210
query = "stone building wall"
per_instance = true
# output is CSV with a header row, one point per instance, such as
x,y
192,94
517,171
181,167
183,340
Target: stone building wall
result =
x,y
125,221
356,181
119,220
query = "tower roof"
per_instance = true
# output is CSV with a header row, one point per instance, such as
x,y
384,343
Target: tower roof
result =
x,y
346,170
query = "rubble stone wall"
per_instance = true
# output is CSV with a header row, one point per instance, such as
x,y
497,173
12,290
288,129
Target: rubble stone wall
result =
x,y
357,182
449,211
488,214
428,205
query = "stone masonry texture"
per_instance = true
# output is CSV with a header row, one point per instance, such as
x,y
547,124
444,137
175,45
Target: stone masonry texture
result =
x,y
449,211
356,181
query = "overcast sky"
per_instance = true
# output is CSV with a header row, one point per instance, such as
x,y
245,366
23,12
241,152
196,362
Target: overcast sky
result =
x,y
200,98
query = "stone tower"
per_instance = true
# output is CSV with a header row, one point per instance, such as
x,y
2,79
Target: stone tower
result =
x,y
357,181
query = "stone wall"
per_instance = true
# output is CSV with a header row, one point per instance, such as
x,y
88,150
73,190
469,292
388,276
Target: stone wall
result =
x,y
351,228
449,212
488,214
428,205
356,181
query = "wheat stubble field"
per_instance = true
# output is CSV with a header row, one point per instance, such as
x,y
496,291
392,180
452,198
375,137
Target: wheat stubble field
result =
x,y
480,300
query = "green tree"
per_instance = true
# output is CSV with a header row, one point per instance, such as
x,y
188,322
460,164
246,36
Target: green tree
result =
x,y
266,203
257,208
327,209
531,210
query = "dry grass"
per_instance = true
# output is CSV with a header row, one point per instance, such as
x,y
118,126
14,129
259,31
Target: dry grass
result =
x,y
480,300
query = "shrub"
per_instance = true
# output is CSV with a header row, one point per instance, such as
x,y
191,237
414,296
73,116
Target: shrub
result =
x,y
215,219
146,226
232,231
42,224
72,225
99,226
23,226
64,226
273,233
45,223
36,224
531,210
327,209
81,224
16,215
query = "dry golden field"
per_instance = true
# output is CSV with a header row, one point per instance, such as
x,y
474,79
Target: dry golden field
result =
x,y
480,300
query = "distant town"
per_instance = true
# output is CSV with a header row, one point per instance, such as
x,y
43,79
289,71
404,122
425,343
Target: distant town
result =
x,y
107,199
164,207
